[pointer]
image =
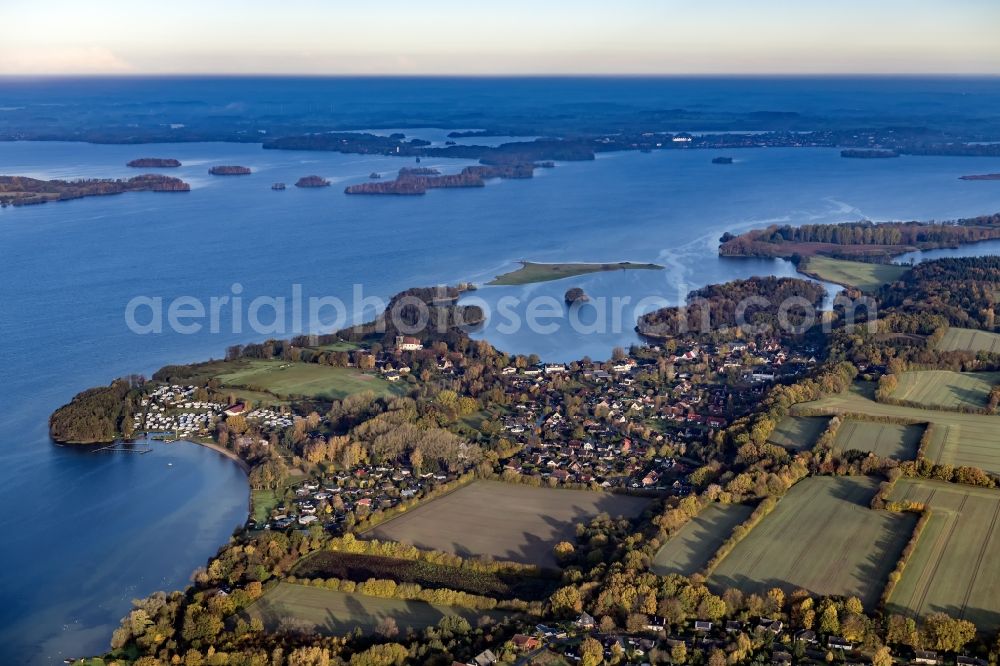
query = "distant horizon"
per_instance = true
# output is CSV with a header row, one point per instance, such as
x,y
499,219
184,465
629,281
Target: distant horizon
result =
x,y
511,75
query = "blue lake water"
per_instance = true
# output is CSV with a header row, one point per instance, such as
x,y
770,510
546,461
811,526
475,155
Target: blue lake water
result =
x,y
86,532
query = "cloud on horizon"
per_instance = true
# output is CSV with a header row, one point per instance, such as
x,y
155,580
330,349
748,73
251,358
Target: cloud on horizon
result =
x,y
69,60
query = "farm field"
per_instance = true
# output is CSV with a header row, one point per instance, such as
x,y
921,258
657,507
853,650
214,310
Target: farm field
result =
x,y
505,521
359,568
798,433
822,537
888,440
863,275
335,613
688,551
954,567
969,339
282,379
957,439
946,389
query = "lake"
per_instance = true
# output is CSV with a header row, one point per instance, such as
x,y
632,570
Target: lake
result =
x,y
86,532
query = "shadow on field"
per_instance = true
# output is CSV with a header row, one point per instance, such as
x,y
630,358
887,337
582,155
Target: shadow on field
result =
x,y
965,396
986,620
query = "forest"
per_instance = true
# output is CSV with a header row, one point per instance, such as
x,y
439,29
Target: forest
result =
x,y
859,238
96,415
962,290
755,302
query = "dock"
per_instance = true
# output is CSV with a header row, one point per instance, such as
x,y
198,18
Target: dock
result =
x,y
110,448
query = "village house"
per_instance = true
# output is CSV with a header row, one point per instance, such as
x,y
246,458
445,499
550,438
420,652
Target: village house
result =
x,y
407,343
525,643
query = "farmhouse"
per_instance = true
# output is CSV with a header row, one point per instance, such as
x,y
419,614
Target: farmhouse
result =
x,y
407,343
525,643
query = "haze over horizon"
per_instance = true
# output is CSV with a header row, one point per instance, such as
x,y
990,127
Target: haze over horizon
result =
x,y
444,37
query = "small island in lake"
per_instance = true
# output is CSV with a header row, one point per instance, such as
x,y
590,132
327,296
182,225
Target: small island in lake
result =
x,y
981,176
868,154
417,180
278,186
722,160
154,163
312,181
530,272
23,191
575,295
230,171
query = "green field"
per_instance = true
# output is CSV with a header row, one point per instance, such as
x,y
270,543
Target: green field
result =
x,y
798,433
284,379
688,551
338,346
957,439
263,501
531,272
888,440
945,389
864,276
969,339
330,612
504,521
821,537
953,568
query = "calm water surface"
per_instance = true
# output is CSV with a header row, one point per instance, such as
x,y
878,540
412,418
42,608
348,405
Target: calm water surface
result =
x,y
86,532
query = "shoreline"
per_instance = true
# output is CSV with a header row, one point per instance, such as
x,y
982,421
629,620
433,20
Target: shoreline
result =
x,y
226,452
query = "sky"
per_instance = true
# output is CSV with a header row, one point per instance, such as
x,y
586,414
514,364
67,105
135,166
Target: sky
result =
x,y
422,37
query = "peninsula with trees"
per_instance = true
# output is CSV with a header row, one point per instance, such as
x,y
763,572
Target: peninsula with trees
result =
x,y
865,240
24,191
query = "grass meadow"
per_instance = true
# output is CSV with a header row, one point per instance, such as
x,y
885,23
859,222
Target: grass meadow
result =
x,y
957,438
887,440
798,433
969,339
945,389
690,549
954,567
334,613
505,521
823,537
